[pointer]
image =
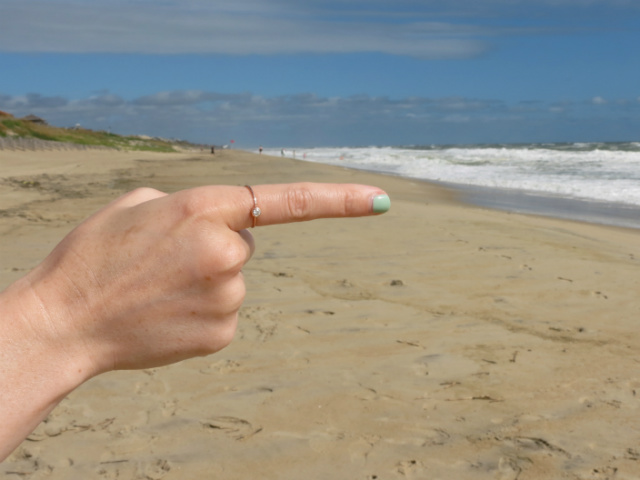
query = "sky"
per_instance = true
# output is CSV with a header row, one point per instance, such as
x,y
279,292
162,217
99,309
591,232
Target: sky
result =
x,y
292,73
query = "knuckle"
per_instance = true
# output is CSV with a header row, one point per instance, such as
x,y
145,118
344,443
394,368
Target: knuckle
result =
x,y
299,203
237,298
222,322
144,192
231,258
138,195
216,336
226,332
190,205
352,203
226,325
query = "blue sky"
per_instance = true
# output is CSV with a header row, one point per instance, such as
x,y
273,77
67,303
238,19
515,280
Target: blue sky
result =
x,y
286,73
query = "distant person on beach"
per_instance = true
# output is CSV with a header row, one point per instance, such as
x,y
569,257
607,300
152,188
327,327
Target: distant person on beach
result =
x,y
260,149
213,150
148,280
282,152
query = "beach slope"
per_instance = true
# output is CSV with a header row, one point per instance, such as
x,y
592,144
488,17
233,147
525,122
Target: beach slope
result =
x,y
439,340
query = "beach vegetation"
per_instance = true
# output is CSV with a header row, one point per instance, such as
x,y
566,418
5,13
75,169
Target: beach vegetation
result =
x,y
25,128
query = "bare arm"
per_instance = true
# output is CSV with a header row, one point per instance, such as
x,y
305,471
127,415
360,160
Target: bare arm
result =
x,y
150,279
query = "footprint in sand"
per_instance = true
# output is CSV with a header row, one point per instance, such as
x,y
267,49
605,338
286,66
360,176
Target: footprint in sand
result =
x,y
536,444
236,428
510,468
113,469
266,329
221,366
346,290
155,470
520,453
152,386
264,321
411,468
22,463
360,449
421,366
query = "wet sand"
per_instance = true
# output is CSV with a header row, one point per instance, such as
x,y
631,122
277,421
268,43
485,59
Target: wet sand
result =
x,y
437,341
593,211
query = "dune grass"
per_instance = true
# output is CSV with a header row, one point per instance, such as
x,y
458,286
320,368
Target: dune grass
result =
x,y
21,128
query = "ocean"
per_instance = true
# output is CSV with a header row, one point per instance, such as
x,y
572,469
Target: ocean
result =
x,y
596,182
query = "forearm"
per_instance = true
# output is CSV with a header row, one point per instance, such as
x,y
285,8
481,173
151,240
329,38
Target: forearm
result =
x,y
34,376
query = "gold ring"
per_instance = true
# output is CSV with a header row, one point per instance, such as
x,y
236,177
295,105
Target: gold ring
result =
x,y
255,211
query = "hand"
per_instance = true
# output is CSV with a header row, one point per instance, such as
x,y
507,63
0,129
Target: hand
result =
x,y
149,280
153,278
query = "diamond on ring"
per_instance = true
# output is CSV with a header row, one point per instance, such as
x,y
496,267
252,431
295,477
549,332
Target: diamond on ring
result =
x,y
255,211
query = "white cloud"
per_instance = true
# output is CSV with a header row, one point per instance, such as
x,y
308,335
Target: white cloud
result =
x,y
239,27
419,28
210,116
32,101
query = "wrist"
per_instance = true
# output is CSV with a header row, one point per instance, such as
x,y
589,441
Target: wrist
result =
x,y
37,370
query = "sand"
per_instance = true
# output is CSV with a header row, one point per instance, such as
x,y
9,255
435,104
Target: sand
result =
x,y
438,341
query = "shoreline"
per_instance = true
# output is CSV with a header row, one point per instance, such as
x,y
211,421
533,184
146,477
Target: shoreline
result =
x,y
595,212
598,212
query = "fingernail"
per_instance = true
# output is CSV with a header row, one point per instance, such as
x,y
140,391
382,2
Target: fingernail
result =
x,y
381,203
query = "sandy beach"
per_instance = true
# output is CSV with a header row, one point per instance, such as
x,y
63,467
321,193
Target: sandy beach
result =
x,y
438,341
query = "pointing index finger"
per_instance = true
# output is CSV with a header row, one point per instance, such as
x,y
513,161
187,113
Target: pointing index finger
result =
x,y
298,202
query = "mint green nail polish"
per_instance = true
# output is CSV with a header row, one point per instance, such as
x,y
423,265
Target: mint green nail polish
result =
x,y
381,203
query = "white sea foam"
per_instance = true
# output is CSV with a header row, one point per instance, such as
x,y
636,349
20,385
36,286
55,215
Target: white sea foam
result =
x,y
602,172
